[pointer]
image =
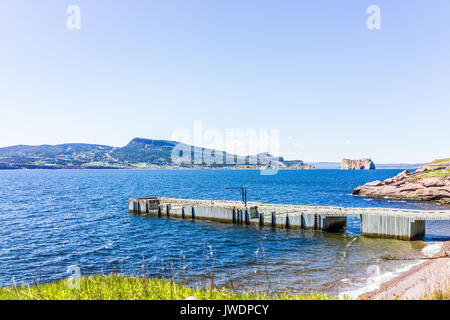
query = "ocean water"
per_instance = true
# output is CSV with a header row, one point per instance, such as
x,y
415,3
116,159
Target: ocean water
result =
x,y
53,219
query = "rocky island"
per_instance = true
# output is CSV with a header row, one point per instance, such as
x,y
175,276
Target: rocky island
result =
x,y
430,182
363,164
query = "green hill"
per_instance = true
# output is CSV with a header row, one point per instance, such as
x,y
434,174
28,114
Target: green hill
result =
x,y
52,156
139,153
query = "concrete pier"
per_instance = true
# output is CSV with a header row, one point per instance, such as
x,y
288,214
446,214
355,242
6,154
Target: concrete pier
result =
x,y
397,227
375,222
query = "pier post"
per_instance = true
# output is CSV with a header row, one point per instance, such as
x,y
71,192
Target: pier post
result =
x,y
274,219
247,217
261,219
395,227
131,205
309,221
288,222
182,213
193,213
168,209
234,215
159,211
295,221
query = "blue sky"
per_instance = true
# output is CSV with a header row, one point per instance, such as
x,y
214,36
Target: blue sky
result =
x,y
311,69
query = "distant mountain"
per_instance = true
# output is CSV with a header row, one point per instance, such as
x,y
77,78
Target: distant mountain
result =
x,y
327,165
52,156
139,153
156,152
408,166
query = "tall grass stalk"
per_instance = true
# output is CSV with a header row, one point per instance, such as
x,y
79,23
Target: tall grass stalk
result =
x,y
117,287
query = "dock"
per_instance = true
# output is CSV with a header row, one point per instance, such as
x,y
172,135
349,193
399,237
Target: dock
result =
x,y
403,224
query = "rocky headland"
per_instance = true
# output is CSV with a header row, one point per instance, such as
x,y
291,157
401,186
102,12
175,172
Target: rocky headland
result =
x,y
363,164
430,182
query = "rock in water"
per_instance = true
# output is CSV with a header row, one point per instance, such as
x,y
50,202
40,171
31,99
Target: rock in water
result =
x,y
363,164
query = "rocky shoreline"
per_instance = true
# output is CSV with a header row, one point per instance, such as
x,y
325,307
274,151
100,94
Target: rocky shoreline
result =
x,y
430,182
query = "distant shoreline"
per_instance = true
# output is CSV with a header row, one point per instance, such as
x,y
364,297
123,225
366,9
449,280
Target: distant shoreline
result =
x,y
182,168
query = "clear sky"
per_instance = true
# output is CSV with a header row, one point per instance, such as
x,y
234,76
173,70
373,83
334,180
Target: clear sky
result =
x,y
311,69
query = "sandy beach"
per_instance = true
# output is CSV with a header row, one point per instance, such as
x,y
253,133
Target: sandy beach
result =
x,y
418,282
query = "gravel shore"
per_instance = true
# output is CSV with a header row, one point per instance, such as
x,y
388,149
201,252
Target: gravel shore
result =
x,y
418,282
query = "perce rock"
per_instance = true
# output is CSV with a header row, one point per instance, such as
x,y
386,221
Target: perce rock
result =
x,y
429,182
364,164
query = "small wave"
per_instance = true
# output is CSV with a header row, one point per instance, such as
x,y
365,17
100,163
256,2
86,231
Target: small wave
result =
x,y
433,248
374,283
108,246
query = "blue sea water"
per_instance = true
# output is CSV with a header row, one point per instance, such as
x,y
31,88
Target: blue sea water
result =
x,y
53,219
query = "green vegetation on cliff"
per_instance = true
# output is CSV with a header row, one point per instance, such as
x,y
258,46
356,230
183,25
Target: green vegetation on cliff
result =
x,y
435,169
116,287
440,161
440,173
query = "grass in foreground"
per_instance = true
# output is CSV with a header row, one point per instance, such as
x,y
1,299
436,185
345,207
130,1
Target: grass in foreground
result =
x,y
116,287
441,291
441,295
